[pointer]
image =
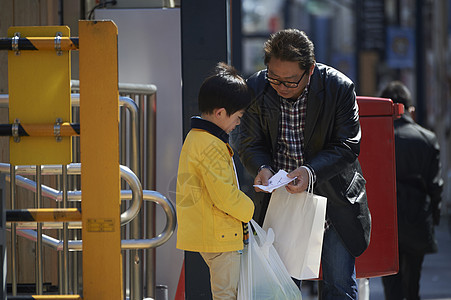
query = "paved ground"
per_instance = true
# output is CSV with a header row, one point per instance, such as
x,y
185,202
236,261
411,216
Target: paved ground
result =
x,y
436,275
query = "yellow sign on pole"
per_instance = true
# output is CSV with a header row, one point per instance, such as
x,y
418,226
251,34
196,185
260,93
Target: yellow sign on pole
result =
x,y
39,93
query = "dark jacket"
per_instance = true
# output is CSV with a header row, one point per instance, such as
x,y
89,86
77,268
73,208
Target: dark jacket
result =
x,y
418,186
332,145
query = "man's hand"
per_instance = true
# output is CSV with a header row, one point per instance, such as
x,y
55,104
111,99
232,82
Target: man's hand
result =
x,y
300,184
262,178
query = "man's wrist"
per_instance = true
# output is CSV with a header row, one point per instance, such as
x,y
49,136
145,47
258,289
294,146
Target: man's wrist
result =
x,y
311,170
265,167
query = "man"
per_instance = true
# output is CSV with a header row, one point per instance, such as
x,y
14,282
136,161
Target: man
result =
x,y
305,116
418,187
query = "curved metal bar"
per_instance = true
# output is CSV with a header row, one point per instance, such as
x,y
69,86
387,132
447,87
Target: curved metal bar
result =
x,y
137,195
132,107
126,174
162,238
135,274
168,230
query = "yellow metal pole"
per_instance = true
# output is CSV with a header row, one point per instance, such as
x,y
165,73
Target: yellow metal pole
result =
x,y
100,173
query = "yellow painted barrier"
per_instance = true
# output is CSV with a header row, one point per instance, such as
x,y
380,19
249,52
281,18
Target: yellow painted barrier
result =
x,y
38,43
39,93
56,130
43,215
45,297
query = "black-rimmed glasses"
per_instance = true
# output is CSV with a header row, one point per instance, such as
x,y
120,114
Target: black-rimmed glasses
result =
x,y
288,84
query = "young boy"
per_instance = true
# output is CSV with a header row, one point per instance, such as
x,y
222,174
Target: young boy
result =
x,y
210,206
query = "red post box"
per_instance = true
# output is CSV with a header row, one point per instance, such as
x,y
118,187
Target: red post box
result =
x,y
377,158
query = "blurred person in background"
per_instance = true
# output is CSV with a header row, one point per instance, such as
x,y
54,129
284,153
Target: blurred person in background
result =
x,y
419,187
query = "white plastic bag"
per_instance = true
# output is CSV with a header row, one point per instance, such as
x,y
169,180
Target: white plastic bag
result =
x,y
298,224
262,273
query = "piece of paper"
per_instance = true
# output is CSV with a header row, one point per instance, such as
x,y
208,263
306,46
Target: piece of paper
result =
x,y
279,179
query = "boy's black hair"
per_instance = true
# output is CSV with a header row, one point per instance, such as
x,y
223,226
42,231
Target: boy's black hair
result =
x,y
224,89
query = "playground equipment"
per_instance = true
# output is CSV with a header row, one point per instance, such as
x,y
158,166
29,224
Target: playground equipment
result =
x,y
40,103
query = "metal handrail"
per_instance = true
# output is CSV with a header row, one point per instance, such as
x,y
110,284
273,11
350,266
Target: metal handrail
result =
x,y
75,169
160,239
125,88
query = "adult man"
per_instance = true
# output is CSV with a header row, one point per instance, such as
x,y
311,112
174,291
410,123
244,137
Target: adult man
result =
x,y
305,116
418,187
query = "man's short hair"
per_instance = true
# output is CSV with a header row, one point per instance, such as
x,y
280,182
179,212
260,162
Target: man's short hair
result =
x,y
224,89
290,45
398,93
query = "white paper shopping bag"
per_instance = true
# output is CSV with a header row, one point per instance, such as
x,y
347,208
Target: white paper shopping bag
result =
x,y
298,223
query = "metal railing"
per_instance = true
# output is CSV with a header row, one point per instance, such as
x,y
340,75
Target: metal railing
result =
x,y
137,150
140,156
76,245
136,195
75,169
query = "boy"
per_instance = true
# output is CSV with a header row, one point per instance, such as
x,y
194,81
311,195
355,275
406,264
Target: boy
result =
x,y
210,206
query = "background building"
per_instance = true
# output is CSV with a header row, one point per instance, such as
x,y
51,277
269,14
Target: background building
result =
x,y
373,42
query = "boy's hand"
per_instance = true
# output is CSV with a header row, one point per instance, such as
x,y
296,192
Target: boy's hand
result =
x,y
300,184
262,178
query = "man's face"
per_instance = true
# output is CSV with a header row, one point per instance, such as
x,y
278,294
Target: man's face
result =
x,y
288,72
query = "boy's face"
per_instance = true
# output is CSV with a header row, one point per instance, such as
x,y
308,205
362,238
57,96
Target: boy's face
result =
x,y
228,123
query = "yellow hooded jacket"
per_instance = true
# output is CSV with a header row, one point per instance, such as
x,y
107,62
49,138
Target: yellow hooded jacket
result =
x,y
210,206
